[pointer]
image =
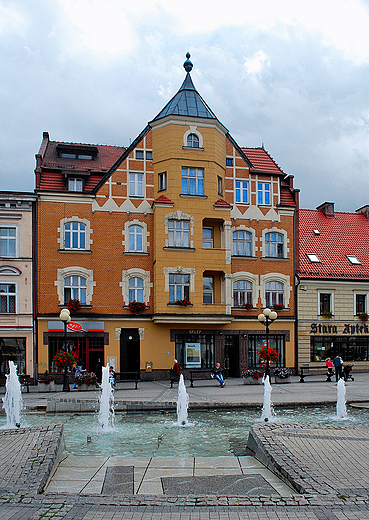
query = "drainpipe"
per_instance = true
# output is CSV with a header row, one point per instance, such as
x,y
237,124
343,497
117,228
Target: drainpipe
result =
x,y
297,283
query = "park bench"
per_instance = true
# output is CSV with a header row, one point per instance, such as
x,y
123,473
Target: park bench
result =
x,y
198,374
127,377
307,369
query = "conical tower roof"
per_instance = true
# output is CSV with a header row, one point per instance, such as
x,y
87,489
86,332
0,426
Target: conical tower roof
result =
x,y
187,102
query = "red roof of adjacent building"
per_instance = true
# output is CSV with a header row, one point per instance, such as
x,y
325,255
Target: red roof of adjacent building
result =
x,y
261,161
334,238
220,203
162,200
52,170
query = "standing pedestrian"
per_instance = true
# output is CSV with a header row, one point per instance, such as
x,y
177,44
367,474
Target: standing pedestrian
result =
x,y
338,364
217,373
329,366
176,370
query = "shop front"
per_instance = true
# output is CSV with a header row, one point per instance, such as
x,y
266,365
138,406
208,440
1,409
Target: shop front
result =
x,y
348,340
12,349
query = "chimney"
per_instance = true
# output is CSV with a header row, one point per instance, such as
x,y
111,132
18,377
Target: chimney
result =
x,y
327,208
365,210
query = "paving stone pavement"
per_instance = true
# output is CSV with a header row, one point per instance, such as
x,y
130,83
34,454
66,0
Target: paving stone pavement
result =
x,y
326,493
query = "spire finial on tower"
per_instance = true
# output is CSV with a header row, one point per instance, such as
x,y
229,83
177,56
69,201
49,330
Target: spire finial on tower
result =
x,y
188,65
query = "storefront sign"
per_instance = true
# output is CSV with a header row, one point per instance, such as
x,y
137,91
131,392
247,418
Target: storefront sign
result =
x,y
347,328
73,325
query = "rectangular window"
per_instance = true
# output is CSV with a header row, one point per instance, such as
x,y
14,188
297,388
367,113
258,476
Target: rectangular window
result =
x,y
75,287
242,189
220,185
179,287
207,237
192,181
8,241
75,184
179,233
139,154
136,185
148,155
206,348
264,193
360,303
229,161
325,302
74,235
162,178
208,289
7,298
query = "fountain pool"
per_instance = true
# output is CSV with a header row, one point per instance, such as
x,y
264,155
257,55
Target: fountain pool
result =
x,y
210,434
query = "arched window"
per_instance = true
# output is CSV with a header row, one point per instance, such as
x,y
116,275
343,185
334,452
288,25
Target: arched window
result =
x,y
274,294
75,287
74,235
274,245
135,238
242,293
241,243
193,141
135,289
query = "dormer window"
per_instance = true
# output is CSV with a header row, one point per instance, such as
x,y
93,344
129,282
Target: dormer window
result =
x,y
193,141
75,184
77,151
65,155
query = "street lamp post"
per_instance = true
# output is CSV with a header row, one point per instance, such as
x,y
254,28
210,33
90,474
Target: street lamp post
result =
x,y
266,318
65,318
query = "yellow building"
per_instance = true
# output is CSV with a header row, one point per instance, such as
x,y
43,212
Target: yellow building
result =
x,y
184,221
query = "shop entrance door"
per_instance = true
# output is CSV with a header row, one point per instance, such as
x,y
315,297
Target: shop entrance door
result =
x,y
129,350
232,355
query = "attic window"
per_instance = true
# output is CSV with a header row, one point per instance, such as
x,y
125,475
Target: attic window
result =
x,y
313,258
85,157
316,232
353,260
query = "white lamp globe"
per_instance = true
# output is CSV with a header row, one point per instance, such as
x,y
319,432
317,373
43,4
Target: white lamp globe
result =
x,y
64,314
261,317
273,315
267,311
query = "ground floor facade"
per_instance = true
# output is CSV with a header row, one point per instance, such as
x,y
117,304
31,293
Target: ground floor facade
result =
x,y
139,345
16,345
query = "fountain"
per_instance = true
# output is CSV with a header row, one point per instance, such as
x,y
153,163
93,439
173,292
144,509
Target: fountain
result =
x,y
12,402
106,400
182,404
341,400
267,412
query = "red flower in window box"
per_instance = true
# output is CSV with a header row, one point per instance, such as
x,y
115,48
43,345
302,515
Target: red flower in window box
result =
x,y
278,306
183,303
74,304
136,307
363,316
248,306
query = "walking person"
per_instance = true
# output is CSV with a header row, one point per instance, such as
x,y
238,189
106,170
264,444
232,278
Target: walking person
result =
x,y
217,372
338,364
329,366
176,370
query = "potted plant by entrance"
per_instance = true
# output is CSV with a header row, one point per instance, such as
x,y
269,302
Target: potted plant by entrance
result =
x,y
46,383
86,381
252,377
282,375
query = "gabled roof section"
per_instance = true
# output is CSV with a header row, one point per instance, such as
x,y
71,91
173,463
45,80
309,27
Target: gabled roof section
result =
x,y
333,240
187,102
56,161
222,204
262,162
163,200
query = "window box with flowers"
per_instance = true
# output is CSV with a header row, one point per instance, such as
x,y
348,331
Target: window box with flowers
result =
x,y
278,307
86,381
183,303
248,306
136,307
282,375
252,377
363,316
326,314
74,304
46,383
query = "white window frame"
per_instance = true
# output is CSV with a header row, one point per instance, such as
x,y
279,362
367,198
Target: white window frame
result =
x,y
275,277
262,193
273,245
75,184
279,291
248,277
240,291
136,181
145,235
88,233
208,240
241,191
208,291
136,231
313,258
245,241
75,271
366,297
179,270
331,293
199,181
15,239
162,181
178,215
193,130
179,235
136,289
285,242
135,273
10,294
80,288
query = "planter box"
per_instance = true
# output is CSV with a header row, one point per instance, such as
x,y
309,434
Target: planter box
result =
x,y
42,387
252,381
282,380
84,388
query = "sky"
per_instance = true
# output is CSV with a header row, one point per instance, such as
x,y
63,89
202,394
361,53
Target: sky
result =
x,y
292,76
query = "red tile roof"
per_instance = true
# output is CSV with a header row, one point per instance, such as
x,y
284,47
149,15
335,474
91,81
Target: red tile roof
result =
x,y
261,160
162,200
222,204
52,170
345,234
